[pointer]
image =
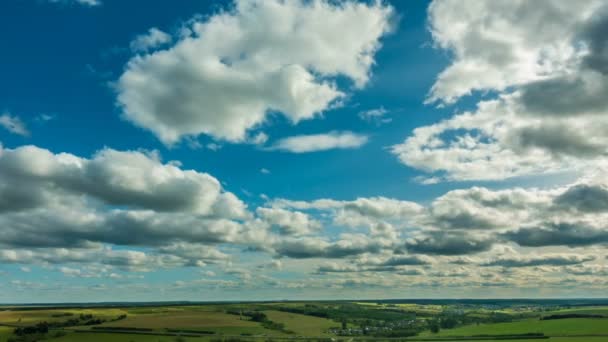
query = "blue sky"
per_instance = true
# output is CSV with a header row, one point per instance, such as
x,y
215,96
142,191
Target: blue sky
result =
x,y
82,54
464,164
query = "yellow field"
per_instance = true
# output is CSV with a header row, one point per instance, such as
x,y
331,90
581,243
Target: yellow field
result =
x,y
302,325
25,317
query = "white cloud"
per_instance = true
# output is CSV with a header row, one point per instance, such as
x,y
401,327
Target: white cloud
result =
x,y
213,146
232,69
259,139
289,222
88,3
13,124
550,112
497,44
132,178
377,116
320,142
152,39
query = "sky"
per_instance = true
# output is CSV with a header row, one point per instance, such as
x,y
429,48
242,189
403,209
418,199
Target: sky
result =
x,y
302,149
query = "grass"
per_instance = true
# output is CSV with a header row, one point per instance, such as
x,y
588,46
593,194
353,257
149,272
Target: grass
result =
x,y
182,320
5,332
598,310
559,327
26,317
553,339
93,337
302,325
190,319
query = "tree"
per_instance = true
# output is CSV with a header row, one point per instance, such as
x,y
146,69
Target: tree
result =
x,y
434,326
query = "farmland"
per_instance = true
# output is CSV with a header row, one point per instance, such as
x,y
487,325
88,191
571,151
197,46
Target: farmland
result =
x,y
347,321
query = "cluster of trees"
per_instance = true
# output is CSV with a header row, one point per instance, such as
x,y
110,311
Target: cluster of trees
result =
x,y
258,316
450,320
572,315
356,314
39,328
43,327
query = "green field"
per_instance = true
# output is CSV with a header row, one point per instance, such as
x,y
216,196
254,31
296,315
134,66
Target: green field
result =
x,y
558,327
302,325
293,321
5,332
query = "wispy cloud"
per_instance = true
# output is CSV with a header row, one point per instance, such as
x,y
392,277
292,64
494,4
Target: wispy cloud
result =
x,y
320,142
13,124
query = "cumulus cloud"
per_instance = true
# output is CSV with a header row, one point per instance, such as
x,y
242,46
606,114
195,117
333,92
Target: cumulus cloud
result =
x,y
503,43
233,68
396,260
50,215
563,233
124,259
289,222
320,142
115,197
584,198
132,178
152,39
440,243
550,81
13,124
313,247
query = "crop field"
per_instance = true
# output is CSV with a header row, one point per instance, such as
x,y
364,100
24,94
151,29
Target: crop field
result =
x,y
182,320
558,327
24,317
293,321
303,325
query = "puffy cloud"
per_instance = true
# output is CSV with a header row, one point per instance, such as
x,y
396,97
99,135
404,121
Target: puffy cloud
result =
x,y
233,68
13,124
551,85
497,141
396,260
289,222
195,254
360,209
320,142
560,234
478,208
551,260
131,178
441,243
152,39
121,198
584,198
312,247
503,43
124,259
